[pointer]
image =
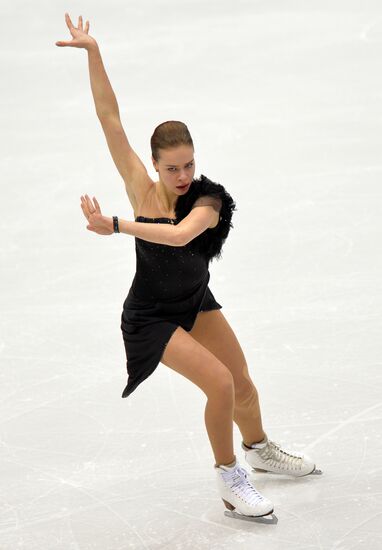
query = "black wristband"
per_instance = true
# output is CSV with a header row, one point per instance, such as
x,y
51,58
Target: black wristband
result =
x,y
115,224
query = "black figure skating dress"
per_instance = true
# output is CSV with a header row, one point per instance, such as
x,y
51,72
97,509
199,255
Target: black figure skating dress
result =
x,y
170,285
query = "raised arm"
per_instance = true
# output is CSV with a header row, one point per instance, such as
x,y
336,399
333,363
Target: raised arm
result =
x,y
135,176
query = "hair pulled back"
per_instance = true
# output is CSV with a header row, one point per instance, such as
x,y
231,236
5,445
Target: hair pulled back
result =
x,y
168,135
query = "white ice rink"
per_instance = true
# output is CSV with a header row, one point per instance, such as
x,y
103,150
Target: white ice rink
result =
x,y
283,99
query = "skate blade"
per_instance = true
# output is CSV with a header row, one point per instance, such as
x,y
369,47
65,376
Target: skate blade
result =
x,y
268,519
316,472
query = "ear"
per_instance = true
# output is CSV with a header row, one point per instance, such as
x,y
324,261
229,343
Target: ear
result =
x,y
154,163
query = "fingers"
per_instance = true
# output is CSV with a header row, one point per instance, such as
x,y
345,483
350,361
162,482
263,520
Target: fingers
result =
x,y
68,21
90,204
72,30
84,208
80,23
96,204
87,205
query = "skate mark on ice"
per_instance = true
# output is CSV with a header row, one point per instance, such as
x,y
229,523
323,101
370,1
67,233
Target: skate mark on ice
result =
x,y
341,540
341,425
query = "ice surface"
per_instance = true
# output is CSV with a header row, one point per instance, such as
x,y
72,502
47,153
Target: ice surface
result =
x,y
283,100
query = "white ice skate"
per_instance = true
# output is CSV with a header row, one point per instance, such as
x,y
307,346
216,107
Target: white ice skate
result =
x,y
268,456
240,496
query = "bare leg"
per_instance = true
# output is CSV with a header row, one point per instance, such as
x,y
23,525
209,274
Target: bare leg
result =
x,y
189,358
219,425
247,416
213,331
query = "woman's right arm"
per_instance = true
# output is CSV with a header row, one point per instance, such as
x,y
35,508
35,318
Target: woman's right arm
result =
x,y
104,97
129,165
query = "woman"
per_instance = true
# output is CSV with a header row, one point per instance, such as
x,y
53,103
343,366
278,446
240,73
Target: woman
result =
x,y
170,315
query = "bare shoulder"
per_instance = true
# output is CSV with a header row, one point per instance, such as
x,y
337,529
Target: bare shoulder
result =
x,y
147,204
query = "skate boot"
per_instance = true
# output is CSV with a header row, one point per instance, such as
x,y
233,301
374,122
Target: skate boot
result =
x,y
268,456
240,496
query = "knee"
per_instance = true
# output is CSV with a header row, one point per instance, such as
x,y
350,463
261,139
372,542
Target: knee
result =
x,y
244,391
224,386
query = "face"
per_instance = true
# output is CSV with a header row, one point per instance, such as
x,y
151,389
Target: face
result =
x,y
176,168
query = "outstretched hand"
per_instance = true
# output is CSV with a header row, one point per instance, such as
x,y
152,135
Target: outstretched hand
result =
x,y
81,38
97,222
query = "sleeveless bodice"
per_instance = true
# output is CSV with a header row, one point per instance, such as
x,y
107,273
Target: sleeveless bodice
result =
x,y
164,272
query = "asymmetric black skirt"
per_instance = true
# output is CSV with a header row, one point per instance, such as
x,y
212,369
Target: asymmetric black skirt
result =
x,y
148,326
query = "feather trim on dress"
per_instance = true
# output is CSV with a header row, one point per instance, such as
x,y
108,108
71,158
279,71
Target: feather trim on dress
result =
x,y
210,242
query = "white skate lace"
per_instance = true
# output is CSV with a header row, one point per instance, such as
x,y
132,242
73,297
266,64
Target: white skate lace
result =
x,y
240,485
274,455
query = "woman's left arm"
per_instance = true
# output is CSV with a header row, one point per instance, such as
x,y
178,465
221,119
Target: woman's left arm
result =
x,y
197,221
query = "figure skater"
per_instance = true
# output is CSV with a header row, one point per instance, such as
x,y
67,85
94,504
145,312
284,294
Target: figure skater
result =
x,y
170,314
